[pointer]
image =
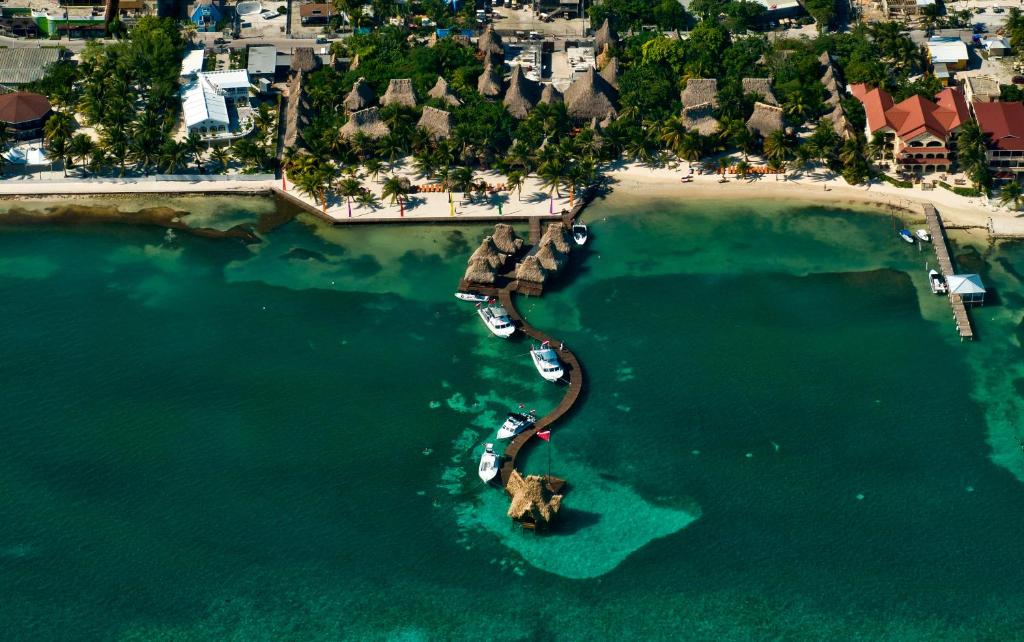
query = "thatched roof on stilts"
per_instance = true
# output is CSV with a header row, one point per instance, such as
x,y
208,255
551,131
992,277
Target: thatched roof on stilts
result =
x,y
361,97
558,235
490,83
399,92
549,257
532,499
368,122
550,95
479,271
440,91
489,253
590,96
529,269
523,94
765,119
436,122
506,240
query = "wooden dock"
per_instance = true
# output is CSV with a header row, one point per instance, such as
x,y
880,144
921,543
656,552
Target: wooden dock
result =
x,y
941,245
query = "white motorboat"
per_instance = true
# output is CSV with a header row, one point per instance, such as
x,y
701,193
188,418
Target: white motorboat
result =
x,y
515,424
580,234
907,236
923,235
938,283
474,298
546,361
497,320
488,464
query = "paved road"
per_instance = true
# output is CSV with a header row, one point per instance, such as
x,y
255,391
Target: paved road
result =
x,y
204,38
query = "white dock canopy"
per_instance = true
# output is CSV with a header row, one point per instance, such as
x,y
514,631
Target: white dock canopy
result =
x,y
968,286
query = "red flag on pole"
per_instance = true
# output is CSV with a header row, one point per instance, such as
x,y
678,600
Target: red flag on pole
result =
x,y
545,435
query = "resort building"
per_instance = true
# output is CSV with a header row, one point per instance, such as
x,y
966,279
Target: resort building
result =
x,y
984,89
262,62
700,100
25,65
316,13
591,96
24,114
947,53
206,16
922,132
1003,124
996,47
209,101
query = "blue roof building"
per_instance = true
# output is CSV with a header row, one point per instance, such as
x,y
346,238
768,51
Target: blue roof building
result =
x,y
206,16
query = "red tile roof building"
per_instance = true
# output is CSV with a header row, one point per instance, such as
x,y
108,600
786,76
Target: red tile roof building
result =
x,y
922,132
1003,123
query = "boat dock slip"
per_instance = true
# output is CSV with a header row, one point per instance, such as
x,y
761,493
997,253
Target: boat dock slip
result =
x,y
938,232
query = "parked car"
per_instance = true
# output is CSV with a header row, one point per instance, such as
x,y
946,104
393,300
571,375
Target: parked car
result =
x,y
998,10
1018,80
219,41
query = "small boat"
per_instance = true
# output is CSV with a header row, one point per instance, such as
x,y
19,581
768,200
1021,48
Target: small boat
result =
x,y
475,298
937,282
515,424
546,361
907,236
923,235
488,464
497,321
580,234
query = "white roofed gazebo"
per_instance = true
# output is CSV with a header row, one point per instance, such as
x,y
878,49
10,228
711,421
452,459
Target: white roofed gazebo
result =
x,y
968,286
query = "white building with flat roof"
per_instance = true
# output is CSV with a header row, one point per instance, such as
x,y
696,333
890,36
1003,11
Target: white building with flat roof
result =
x,y
192,63
205,101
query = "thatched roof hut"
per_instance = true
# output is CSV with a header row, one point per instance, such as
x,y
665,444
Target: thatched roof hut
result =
x,y
490,45
303,60
549,257
436,122
765,119
361,97
700,91
366,121
839,122
611,72
590,96
479,271
605,37
701,118
294,110
761,87
506,240
490,83
825,58
399,92
550,95
440,91
558,234
529,269
489,253
523,94
532,499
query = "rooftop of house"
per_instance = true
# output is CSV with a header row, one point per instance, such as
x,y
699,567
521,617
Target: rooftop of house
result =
x,y
915,115
1003,122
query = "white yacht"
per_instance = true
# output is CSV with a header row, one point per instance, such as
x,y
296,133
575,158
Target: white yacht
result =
x,y
515,424
923,235
546,361
580,234
474,298
488,464
937,282
497,320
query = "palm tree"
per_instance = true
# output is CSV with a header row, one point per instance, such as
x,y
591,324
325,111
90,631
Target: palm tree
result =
x,y
310,184
552,174
1012,194
349,188
57,133
673,133
776,166
392,148
460,179
777,146
515,182
172,156
97,160
366,198
723,164
193,146
692,146
877,147
80,148
796,107
396,188
263,119
742,168
221,156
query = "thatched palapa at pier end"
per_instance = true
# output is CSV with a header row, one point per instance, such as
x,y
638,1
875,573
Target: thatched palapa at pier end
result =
x,y
530,270
490,253
550,258
506,240
532,499
558,235
479,271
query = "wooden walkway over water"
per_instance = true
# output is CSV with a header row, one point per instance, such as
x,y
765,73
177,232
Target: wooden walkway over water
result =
x,y
940,243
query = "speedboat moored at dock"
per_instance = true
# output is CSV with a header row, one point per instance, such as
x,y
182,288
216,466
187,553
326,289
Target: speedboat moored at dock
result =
x,y
497,321
474,298
938,283
488,464
907,236
580,233
515,424
923,235
546,361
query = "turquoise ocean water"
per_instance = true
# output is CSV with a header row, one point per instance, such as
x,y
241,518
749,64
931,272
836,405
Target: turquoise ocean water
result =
x,y
782,437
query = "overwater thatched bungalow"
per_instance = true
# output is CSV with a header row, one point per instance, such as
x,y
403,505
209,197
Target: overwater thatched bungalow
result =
x,y
765,119
762,88
550,95
361,97
441,91
611,72
479,271
549,257
490,83
558,235
531,271
399,92
533,504
590,96
523,94
367,121
489,253
605,37
506,239
436,122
